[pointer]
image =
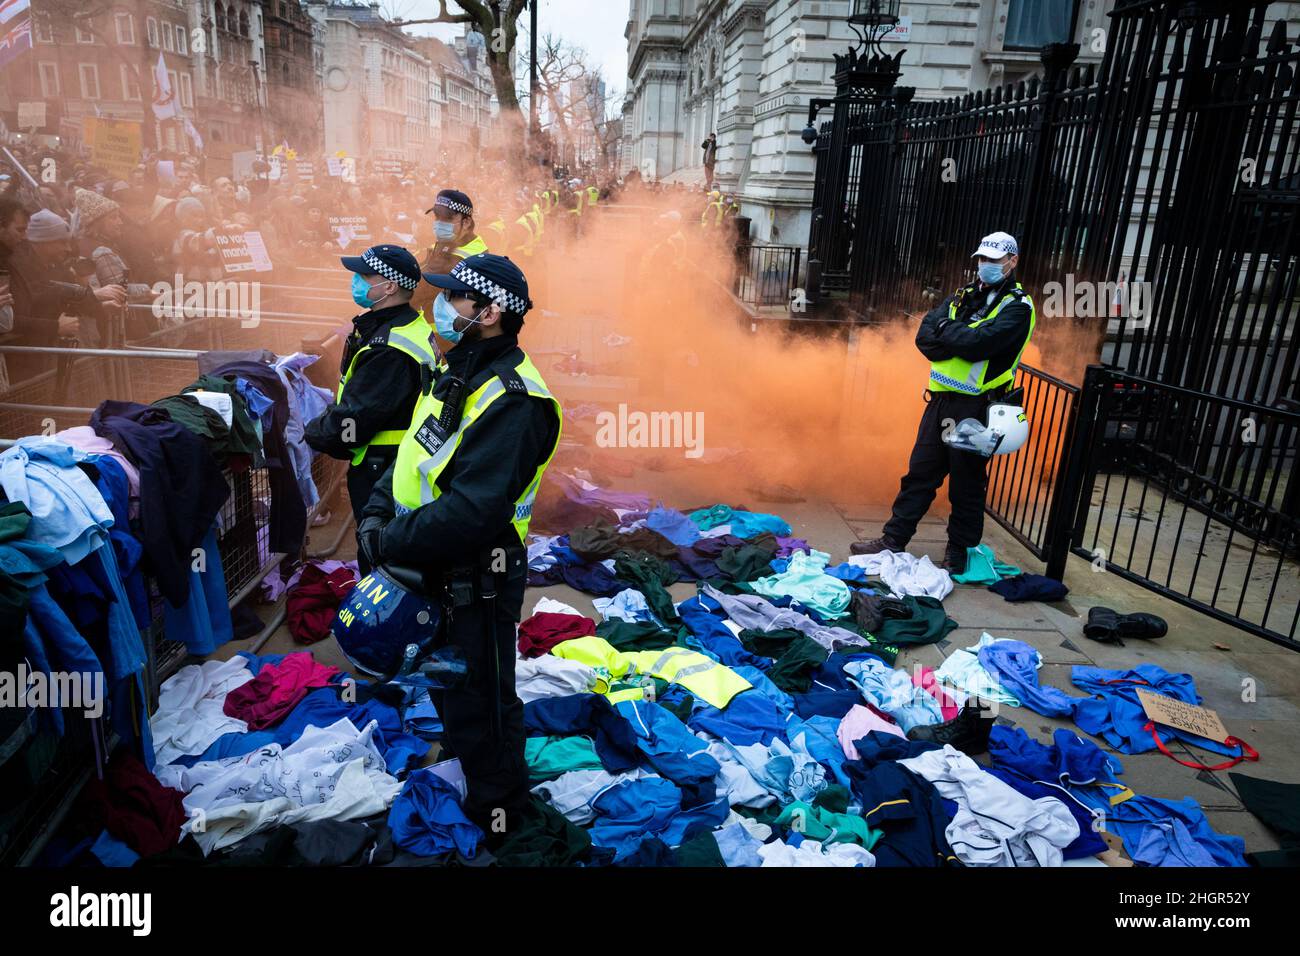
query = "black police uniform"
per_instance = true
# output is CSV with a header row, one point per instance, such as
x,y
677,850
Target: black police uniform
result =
x,y
493,464
939,338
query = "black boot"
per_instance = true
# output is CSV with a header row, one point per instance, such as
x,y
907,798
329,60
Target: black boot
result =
x,y
876,545
954,559
1111,627
967,732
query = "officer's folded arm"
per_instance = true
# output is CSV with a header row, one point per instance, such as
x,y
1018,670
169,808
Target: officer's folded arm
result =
x,y
1004,332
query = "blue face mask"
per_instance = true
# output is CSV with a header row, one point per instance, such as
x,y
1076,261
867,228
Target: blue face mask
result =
x,y
361,291
444,319
990,272
444,231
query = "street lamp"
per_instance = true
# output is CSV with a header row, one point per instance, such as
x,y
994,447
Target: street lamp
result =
x,y
875,12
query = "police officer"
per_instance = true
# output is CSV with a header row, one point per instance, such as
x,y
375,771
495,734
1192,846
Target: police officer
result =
x,y
457,503
455,238
379,377
974,340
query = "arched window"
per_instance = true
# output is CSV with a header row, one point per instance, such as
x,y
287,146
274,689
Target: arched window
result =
x,y
713,64
221,16
243,23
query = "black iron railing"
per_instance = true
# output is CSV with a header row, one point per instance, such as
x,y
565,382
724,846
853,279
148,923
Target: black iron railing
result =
x,y
1191,495
767,276
1025,493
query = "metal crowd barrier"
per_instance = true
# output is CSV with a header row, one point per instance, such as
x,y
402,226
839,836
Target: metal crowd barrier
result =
x,y
61,390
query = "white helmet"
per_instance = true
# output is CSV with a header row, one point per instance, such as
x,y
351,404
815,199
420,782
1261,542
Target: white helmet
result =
x,y
1007,431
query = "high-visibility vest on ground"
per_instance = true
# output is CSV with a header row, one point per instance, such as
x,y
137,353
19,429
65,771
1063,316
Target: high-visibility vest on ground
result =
x,y
414,340
704,677
960,375
416,471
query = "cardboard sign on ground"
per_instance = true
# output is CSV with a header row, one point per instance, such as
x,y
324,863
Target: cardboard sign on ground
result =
x,y
1180,715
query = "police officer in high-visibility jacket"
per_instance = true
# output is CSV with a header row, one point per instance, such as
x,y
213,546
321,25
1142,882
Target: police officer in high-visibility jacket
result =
x,y
457,503
379,377
455,238
974,341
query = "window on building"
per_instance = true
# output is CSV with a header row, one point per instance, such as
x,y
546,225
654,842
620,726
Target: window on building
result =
x,y
187,91
174,81
182,41
168,38
89,73
50,80
44,32
85,31
125,24
151,31
1033,23
130,88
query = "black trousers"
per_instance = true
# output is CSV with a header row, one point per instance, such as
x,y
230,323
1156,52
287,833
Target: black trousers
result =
x,y
362,479
932,461
493,763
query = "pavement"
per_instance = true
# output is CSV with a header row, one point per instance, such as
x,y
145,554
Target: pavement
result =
x,y
1253,684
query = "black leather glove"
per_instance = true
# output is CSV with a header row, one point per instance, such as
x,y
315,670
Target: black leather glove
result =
x,y
369,540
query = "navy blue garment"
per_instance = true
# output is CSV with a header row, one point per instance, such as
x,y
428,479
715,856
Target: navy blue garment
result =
x,y
700,615
1069,760
827,703
1088,842
181,487
652,852
588,715
693,566
905,807
288,518
1030,587
594,579
749,718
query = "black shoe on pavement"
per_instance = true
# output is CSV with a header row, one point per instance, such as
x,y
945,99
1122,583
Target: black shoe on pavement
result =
x,y
1111,627
967,732
954,560
875,546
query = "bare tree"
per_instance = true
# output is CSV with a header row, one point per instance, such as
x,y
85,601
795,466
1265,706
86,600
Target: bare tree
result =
x,y
574,94
498,24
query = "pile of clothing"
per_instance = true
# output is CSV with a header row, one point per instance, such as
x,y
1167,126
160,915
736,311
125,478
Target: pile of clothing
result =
x,y
759,722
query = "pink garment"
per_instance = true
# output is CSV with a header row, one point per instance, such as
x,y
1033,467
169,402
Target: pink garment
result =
x,y
276,690
83,438
924,678
855,725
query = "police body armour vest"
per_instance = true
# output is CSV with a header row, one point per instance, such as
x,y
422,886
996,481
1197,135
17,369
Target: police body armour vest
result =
x,y
412,339
960,375
427,449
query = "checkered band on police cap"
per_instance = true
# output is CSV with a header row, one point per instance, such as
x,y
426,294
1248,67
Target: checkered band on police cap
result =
x,y
454,206
388,272
498,294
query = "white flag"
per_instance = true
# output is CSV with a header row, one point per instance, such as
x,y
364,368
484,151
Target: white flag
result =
x,y
193,134
164,97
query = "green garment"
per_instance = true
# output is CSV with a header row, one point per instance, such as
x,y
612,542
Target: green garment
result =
x,y
542,837
14,519
746,563
244,433
202,421
797,656
767,814
983,567
834,798
928,624
638,636
699,850
15,597
730,587
651,576
822,825
548,757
